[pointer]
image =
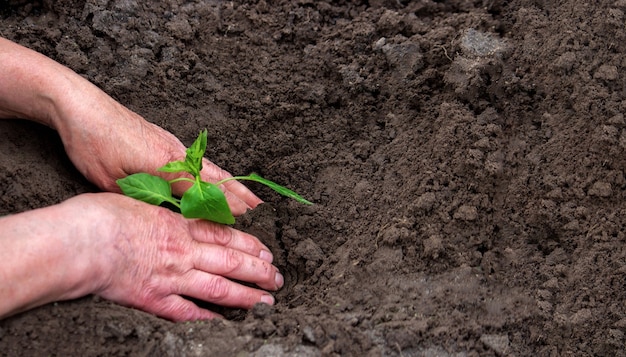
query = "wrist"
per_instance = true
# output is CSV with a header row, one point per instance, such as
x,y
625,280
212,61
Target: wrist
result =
x,y
85,225
48,256
32,86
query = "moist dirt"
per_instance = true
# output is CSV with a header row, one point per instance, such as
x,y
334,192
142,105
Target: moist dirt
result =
x,y
466,159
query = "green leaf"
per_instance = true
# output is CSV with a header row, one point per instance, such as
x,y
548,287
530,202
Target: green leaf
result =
x,y
147,188
205,200
276,187
195,153
177,166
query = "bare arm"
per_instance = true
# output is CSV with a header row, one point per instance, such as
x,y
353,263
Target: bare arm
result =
x,y
34,266
132,253
26,89
123,250
105,140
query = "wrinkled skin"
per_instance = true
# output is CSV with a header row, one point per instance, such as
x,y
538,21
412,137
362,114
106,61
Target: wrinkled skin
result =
x,y
159,256
127,251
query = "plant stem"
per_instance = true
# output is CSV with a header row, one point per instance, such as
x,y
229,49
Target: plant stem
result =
x,y
273,185
249,178
181,179
174,201
176,204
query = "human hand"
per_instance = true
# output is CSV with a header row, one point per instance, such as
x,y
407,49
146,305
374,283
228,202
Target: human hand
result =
x,y
150,258
124,250
105,140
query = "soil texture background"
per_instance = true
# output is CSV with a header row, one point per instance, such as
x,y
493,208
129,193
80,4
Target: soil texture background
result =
x,y
467,160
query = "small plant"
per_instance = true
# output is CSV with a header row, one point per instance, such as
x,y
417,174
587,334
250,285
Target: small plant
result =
x,y
203,199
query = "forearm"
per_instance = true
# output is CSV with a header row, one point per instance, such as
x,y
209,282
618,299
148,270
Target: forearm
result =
x,y
42,260
32,86
35,87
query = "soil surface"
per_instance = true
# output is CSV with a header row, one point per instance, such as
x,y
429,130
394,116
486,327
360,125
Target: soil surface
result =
x,y
467,160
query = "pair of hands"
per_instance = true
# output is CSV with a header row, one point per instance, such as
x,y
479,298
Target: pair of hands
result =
x,y
107,244
154,257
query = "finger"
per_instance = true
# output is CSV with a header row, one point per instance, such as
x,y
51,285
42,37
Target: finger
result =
x,y
213,233
235,202
221,291
237,206
176,308
246,196
239,197
235,264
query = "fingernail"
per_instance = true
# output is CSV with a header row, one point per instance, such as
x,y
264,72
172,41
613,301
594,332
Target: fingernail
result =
x,y
267,299
279,280
266,255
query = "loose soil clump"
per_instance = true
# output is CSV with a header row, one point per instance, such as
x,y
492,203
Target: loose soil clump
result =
x,y
466,159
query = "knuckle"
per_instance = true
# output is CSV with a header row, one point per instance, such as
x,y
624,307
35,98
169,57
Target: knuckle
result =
x,y
217,289
223,235
232,260
175,309
148,295
180,311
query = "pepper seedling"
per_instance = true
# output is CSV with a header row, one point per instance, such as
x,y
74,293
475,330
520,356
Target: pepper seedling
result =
x,y
203,199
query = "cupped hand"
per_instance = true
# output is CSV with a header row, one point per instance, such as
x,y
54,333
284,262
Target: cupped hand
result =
x,y
107,141
150,258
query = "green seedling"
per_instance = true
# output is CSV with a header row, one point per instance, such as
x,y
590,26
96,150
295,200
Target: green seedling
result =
x,y
203,199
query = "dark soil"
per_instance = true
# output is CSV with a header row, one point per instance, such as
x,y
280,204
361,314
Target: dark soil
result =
x,y
467,160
